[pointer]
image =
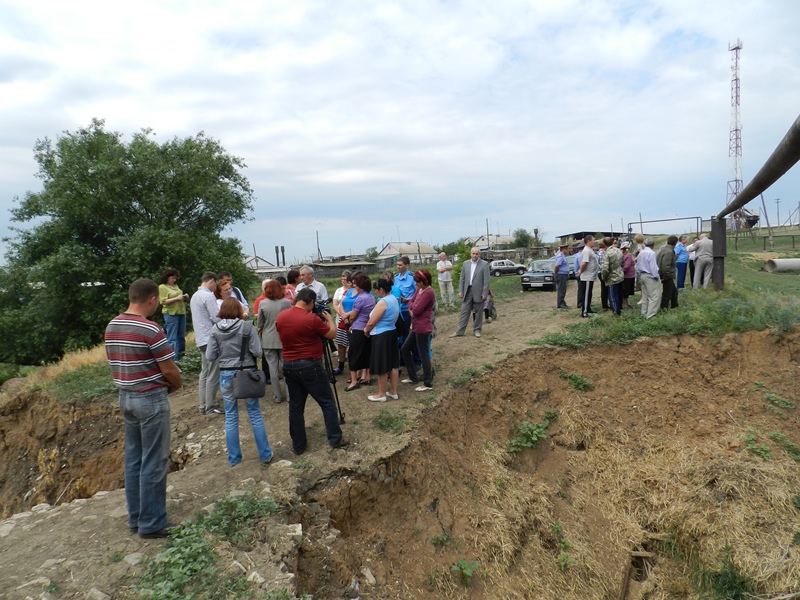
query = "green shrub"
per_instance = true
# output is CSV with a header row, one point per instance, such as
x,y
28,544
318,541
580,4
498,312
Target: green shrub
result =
x,y
192,360
187,567
726,582
530,433
465,570
8,371
390,422
579,382
87,383
702,312
234,517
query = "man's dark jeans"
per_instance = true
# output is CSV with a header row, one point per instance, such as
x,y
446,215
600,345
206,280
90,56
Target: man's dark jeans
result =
x,y
304,377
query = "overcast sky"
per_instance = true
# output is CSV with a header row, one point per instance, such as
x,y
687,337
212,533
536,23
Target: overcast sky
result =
x,y
376,121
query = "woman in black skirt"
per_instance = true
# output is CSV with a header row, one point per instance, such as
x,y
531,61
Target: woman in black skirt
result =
x,y
359,353
382,331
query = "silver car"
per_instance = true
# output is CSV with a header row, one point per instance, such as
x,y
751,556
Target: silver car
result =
x,y
505,267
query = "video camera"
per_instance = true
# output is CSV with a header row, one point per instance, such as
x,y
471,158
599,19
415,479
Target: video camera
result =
x,y
321,306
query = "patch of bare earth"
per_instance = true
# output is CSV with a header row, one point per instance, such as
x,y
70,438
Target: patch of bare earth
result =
x,y
653,457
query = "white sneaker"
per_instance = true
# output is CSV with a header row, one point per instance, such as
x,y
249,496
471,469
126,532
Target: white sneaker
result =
x,y
477,334
376,398
392,396
422,388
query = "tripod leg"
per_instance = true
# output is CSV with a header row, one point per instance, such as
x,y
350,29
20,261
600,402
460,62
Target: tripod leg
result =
x,y
328,358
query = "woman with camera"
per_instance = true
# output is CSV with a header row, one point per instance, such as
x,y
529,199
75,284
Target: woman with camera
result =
x,y
360,347
382,331
225,344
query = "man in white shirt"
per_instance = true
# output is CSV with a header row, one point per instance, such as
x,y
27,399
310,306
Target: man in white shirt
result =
x,y
649,279
444,267
204,314
588,273
308,281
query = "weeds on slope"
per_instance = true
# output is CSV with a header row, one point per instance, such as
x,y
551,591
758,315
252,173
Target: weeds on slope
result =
x,y
188,567
701,312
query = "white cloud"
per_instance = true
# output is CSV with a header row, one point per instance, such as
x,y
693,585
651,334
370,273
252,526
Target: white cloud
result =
x,y
418,116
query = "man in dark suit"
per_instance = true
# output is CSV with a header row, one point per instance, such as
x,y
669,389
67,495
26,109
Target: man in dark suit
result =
x,y
473,289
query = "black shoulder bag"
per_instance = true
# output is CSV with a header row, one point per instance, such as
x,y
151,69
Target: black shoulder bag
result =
x,y
248,383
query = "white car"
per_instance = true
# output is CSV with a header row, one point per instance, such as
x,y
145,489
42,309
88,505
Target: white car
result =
x,y
506,267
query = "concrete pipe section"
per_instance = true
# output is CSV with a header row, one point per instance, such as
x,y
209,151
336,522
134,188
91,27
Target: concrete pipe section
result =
x,y
782,264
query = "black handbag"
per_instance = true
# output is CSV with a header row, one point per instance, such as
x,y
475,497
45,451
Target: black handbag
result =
x,y
248,383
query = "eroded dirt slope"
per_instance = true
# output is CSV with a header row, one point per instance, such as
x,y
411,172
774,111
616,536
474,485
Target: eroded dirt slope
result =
x,y
657,449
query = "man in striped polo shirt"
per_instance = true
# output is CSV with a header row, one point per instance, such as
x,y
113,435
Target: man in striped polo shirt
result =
x,y
143,369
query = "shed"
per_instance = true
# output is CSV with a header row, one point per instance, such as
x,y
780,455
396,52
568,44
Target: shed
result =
x,y
417,252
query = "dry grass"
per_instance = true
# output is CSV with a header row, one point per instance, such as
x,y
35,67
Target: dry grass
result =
x,y
72,361
516,538
658,485
631,489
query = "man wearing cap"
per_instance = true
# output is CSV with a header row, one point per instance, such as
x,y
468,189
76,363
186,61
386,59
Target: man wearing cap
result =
x,y
561,275
649,279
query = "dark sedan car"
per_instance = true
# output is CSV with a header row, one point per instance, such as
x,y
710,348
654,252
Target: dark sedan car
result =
x,y
539,276
570,264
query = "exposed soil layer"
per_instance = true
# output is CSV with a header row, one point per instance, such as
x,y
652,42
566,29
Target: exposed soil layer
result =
x,y
51,452
657,450
664,455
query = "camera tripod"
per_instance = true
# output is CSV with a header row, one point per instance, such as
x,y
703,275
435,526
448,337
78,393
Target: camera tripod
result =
x,y
327,361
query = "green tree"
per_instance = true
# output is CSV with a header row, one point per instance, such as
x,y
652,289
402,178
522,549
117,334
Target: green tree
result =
x,y
458,248
522,238
371,253
110,212
457,252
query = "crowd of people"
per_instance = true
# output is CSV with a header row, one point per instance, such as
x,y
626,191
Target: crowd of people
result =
x,y
371,328
620,271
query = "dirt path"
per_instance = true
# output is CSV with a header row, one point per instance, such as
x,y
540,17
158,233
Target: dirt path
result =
x,y
76,546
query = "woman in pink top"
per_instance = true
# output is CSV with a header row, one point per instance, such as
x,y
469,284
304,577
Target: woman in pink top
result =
x,y
628,272
421,306
291,283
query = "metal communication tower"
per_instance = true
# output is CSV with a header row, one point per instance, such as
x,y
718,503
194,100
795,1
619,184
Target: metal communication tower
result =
x,y
735,142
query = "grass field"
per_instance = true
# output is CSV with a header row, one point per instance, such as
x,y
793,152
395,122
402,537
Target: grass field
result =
x,y
743,269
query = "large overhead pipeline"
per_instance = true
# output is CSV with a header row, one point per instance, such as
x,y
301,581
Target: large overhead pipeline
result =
x,y
782,159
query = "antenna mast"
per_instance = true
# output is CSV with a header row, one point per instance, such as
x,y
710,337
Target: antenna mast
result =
x,y
735,142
